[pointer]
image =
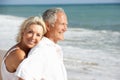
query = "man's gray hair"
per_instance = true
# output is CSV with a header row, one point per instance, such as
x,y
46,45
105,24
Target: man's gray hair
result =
x,y
50,14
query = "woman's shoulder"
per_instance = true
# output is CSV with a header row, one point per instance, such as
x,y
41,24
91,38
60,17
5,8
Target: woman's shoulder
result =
x,y
18,53
15,53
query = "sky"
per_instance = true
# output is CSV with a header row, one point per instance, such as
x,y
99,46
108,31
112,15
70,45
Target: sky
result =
x,y
56,1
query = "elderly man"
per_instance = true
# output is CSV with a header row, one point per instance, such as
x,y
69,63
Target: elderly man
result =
x,y
45,61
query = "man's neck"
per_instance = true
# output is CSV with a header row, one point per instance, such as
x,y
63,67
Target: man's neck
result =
x,y
50,38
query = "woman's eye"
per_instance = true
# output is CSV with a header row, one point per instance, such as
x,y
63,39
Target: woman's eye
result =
x,y
38,34
29,31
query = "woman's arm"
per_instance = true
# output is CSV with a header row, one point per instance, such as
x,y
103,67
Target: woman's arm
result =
x,y
20,79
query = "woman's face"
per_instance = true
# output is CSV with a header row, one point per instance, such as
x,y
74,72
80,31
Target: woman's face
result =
x,y
32,35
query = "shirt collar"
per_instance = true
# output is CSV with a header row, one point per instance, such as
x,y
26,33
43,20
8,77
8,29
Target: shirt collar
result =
x,y
47,40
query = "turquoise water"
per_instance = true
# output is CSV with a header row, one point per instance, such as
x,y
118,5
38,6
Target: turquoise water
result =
x,y
92,43
104,16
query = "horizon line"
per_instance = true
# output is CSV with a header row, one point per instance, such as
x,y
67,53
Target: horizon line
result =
x,y
63,4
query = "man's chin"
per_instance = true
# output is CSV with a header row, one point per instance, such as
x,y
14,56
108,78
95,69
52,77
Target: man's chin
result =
x,y
62,39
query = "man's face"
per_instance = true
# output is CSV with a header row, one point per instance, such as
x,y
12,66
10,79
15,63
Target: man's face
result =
x,y
59,27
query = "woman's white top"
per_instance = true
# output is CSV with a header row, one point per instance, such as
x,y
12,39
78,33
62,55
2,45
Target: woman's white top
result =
x,y
6,75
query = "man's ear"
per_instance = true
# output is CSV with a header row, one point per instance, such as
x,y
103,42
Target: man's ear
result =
x,y
52,25
47,25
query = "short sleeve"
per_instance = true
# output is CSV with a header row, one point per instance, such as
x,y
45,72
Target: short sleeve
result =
x,y
30,67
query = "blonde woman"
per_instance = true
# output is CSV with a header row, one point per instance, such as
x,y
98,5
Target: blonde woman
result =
x,y
31,32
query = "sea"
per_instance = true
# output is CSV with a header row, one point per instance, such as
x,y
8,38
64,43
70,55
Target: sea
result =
x,y
92,42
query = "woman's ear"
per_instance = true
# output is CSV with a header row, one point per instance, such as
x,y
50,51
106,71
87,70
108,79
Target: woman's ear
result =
x,y
22,34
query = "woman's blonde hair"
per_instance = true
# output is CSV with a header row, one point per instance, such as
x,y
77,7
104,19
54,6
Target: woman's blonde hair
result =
x,y
31,20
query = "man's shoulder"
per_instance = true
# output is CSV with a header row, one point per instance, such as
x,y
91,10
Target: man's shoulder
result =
x,y
41,47
41,43
45,42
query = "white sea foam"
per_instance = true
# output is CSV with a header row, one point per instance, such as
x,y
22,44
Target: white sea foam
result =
x,y
92,54
8,31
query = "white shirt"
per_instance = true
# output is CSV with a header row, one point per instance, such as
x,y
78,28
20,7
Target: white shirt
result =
x,y
44,62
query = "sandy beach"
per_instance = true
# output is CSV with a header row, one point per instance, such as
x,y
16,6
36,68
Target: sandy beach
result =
x,y
2,52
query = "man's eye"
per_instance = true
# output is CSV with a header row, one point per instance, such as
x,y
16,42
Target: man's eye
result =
x,y
63,24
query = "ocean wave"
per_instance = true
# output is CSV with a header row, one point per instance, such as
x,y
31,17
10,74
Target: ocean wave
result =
x,y
11,17
79,37
9,29
11,21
